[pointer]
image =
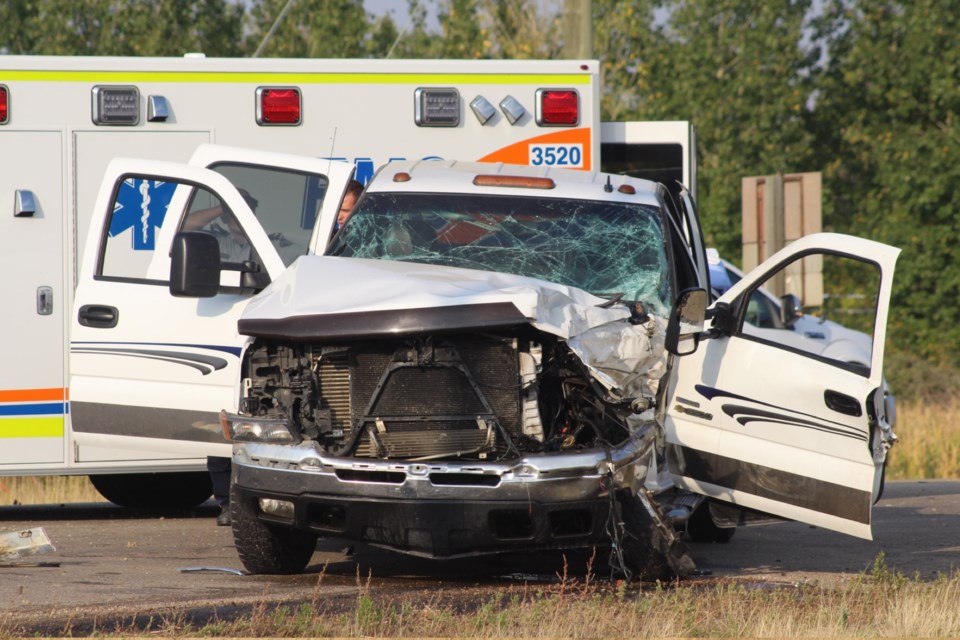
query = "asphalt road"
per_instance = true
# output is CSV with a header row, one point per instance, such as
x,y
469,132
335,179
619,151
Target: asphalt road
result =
x,y
115,563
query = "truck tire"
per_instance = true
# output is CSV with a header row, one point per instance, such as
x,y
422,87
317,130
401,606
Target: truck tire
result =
x,y
701,527
646,554
268,549
175,490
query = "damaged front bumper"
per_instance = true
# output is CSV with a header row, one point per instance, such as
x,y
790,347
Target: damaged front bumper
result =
x,y
442,509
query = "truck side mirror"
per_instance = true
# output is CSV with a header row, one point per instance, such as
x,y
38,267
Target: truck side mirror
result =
x,y
686,322
791,309
194,265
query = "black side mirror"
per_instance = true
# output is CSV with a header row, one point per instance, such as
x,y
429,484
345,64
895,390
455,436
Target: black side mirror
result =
x,y
790,309
686,322
194,265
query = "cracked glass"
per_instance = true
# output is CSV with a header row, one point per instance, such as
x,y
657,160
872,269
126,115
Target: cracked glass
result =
x,y
613,249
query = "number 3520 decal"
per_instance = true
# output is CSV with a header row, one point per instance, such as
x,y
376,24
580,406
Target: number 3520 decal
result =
x,y
557,155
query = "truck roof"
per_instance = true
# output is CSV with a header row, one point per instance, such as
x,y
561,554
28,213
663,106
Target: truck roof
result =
x,y
452,176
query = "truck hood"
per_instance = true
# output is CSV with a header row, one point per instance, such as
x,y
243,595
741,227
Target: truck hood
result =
x,y
321,298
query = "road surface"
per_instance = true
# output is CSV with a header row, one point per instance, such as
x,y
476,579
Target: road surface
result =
x,y
116,563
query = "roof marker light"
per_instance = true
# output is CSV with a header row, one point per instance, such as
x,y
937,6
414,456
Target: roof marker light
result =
x,y
523,182
436,107
512,109
558,107
279,106
4,104
401,176
627,189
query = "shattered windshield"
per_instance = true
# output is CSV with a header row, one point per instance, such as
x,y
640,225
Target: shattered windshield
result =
x,y
607,248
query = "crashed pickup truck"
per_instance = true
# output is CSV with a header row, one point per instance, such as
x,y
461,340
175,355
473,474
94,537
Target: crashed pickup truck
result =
x,y
491,358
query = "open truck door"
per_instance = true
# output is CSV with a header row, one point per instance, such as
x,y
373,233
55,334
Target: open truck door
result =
x,y
154,362
780,430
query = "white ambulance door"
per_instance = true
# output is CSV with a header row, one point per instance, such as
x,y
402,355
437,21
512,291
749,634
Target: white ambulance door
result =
x,y
778,429
663,152
296,205
32,247
150,371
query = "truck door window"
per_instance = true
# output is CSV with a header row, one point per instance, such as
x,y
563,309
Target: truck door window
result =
x,y
138,212
208,213
834,289
286,203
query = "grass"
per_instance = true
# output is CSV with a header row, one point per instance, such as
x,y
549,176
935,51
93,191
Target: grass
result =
x,y
47,490
877,603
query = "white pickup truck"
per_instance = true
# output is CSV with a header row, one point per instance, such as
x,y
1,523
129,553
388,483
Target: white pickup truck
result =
x,y
484,358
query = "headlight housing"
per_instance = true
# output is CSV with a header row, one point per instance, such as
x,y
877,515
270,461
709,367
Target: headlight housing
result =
x,y
237,428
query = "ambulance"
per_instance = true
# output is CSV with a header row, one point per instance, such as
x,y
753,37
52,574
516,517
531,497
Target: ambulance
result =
x,y
62,121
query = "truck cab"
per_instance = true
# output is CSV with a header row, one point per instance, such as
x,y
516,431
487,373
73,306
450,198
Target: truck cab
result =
x,y
484,358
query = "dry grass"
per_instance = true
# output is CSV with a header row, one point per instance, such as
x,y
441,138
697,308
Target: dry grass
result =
x,y
878,603
929,444
47,490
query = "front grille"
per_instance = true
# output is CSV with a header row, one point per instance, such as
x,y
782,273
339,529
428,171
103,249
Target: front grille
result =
x,y
430,398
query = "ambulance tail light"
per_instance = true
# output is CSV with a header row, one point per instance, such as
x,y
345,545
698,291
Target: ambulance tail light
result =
x,y
4,104
279,106
558,108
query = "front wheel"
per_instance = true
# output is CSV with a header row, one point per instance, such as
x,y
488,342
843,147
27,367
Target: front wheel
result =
x,y
265,548
649,551
174,490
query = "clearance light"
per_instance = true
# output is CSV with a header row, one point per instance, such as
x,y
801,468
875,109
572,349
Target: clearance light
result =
x,y
522,182
436,107
627,189
558,108
401,176
512,109
4,104
279,106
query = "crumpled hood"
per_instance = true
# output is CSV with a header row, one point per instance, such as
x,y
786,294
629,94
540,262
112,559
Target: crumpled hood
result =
x,y
616,351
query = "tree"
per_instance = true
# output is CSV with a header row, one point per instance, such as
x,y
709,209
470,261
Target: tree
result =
x,y
887,116
310,28
112,27
737,69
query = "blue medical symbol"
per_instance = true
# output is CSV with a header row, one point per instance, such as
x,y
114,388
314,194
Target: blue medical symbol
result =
x,y
141,206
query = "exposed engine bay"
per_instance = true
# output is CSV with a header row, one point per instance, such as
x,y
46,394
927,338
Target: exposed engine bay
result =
x,y
468,396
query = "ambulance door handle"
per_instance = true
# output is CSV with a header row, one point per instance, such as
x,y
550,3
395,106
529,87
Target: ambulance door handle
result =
x,y
98,316
44,301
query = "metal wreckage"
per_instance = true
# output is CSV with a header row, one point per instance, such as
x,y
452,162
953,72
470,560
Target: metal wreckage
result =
x,y
483,362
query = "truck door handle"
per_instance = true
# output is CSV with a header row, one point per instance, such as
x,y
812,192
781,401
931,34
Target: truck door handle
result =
x,y
842,403
98,316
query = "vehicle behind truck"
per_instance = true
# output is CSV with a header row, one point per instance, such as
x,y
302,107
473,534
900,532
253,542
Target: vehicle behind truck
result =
x,y
63,119
493,358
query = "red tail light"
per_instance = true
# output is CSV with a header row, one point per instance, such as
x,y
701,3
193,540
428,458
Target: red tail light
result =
x,y
278,106
4,104
558,108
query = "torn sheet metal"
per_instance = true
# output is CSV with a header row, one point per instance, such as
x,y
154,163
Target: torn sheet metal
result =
x,y
23,543
230,570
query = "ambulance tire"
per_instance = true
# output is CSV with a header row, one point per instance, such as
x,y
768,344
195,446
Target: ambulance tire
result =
x,y
175,490
268,549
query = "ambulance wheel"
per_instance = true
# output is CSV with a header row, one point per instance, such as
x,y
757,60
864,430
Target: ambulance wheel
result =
x,y
176,490
701,527
265,548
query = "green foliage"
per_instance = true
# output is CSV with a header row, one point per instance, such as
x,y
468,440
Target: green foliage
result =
x,y
114,27
887,116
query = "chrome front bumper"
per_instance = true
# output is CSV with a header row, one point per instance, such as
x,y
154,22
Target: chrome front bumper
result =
x,y
442,509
